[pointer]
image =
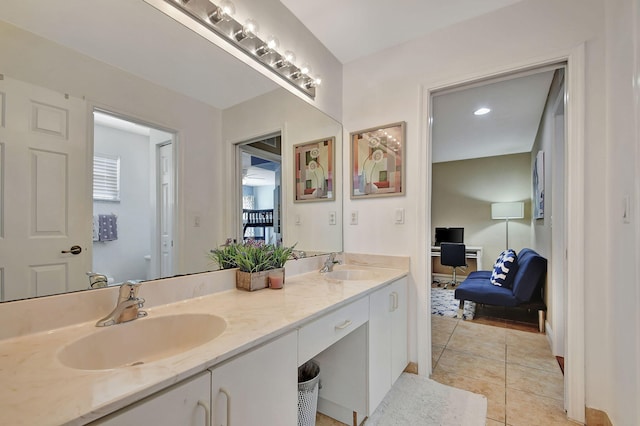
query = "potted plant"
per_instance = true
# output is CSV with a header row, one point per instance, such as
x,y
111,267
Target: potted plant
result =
x,y
255,260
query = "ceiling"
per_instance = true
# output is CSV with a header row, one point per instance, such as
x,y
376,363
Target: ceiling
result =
x,y
509,128
356,28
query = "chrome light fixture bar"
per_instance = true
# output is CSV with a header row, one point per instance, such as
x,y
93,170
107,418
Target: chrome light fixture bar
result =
x,y
218,18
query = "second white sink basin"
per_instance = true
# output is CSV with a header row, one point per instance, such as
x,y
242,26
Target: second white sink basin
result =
x,y
141,341
350,275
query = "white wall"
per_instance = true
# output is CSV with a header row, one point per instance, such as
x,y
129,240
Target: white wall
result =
x,y
462,193
619,293
518,34
299,122
542,228
123,259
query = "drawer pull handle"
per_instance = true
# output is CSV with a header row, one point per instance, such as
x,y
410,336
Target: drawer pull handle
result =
x,y
226,393
207,413
344,325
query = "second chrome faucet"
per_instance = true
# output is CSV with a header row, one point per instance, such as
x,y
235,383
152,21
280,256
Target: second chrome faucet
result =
x,y
127,308
329,263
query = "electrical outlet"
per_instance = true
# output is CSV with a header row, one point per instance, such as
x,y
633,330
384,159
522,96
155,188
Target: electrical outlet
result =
x,y
196,221
354,217
332,218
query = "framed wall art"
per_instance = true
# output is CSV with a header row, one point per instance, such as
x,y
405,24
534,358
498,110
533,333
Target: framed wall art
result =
x,y
314,170
538,186
377,161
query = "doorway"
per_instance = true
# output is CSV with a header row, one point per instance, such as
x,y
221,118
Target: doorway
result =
x,y
133,198
470,207
260,176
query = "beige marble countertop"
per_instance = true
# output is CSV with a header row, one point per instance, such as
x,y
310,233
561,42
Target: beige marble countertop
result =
x,y
36,389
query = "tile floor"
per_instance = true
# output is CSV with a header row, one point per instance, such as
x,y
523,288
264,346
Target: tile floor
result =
x,y
514,369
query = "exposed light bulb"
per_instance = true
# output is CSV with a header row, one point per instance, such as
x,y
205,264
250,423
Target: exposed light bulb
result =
x,y
251,28
223,12
304,69
285,60
270,45
482,111
228,8
289,56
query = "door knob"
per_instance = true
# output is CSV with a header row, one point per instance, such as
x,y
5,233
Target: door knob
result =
x,y
73,250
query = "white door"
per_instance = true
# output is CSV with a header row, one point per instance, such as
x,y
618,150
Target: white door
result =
x,y
166,210
44,201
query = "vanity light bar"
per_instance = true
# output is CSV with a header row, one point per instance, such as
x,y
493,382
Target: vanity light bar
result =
x,y
215,18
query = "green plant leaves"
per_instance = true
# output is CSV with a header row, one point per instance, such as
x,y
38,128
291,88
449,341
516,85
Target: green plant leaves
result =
x,y
251,256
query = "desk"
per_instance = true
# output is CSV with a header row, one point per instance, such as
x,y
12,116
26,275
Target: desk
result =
x,y
474,263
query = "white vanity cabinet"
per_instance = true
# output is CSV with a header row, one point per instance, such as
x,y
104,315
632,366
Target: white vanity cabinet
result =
x,y
259,387
387,339
185,404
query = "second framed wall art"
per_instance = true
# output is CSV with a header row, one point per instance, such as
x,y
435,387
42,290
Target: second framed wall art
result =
x,y
377,161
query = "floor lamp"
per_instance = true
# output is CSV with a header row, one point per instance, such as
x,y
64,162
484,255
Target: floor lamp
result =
x,y
507,211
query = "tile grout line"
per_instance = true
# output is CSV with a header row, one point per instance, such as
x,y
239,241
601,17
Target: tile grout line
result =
x,y
505,379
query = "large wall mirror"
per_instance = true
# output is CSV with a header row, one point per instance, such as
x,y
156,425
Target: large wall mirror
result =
x,y
119,147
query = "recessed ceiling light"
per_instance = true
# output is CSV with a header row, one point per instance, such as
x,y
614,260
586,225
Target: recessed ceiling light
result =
x,y
482,111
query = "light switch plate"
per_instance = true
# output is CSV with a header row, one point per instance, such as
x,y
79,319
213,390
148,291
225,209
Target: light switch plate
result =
x,y
354,217
399,216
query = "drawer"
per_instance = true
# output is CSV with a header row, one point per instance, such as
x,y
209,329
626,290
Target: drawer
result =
x,y
318,335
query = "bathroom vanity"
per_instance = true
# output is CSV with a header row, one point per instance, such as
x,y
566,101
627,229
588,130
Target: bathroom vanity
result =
x,y
244,371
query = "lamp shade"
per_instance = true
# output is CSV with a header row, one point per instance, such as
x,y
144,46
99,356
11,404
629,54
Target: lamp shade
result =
x,y
507,210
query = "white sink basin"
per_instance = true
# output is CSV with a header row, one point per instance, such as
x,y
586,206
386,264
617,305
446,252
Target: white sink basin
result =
x,y
350,275
141,341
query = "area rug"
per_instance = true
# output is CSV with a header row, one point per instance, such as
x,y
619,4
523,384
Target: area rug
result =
x,y
444,304
417,400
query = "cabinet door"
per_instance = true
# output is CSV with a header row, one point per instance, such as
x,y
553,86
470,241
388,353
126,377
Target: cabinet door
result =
x,y
387,339
399,357
381,303
185,404
259,387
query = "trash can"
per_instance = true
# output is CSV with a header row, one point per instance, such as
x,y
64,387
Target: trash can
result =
x,y
308,385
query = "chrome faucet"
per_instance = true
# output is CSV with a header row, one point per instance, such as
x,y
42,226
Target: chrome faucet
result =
x,y
127,308
329,263
97,280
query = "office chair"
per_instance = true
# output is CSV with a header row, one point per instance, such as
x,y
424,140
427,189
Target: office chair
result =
x,y
453,254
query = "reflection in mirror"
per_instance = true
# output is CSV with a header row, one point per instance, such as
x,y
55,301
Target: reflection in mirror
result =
x,y
314,174
133,202
52,83
312,227
261,187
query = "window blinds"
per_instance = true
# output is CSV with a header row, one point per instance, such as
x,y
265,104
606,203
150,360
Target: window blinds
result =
x,y
106,177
